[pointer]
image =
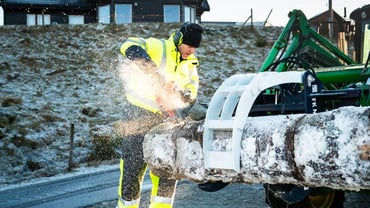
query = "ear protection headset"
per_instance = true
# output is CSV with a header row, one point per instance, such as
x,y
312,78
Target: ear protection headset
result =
x,y
179,35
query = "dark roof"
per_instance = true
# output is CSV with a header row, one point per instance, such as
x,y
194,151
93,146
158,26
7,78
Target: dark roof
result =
x,y
319,17
49,3
41,1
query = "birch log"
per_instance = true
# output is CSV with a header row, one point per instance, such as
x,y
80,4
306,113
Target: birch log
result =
x,y
329,149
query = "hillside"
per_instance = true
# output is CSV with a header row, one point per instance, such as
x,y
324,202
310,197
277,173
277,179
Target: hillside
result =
x,y
57,76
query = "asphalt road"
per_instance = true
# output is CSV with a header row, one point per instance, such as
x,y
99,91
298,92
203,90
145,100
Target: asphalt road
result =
x,y
232,196
99,190
74,191
189,196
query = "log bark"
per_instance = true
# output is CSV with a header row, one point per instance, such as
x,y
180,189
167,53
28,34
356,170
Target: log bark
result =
x,y
329,149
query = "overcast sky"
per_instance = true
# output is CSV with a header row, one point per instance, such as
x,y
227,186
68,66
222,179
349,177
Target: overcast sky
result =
x,y
240,10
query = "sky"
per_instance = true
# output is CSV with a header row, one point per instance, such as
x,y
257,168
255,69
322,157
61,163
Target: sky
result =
x,y
240,10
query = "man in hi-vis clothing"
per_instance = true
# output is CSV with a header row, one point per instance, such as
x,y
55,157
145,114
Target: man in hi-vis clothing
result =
x,y
173,65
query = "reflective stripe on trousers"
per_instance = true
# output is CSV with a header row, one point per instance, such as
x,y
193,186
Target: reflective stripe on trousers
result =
x,y
163,192
165,187
128,204
160,202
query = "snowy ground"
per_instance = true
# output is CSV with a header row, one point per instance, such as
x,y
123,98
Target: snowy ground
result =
x,y
57,76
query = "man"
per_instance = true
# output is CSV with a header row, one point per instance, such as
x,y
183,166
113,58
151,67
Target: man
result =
x,y
173,66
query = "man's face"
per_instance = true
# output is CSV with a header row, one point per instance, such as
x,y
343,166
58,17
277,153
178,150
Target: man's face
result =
x,y
186,50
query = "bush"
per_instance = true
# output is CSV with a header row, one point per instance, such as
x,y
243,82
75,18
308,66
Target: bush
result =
x,y
261,42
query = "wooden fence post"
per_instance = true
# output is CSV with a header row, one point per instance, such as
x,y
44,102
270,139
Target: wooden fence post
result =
x,y
71,140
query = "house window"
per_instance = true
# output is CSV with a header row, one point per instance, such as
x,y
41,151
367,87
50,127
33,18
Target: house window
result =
x,y
1,16
76,19
43,19
123,13
31,19
38,19
171,13
104,14
189,14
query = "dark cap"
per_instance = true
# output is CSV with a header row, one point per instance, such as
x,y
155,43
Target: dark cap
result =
x,y
192,34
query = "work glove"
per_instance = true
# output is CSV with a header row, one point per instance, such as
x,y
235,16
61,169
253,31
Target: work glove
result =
x,y
186,96
141,58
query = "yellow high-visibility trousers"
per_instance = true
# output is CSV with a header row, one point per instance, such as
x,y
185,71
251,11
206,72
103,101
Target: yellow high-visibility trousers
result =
x,y
133,166
129,192
163,192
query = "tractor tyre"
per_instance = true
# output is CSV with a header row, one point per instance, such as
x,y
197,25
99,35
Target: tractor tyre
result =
x,y
332,199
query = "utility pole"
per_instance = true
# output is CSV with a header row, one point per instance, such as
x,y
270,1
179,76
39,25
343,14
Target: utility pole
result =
x,y
112,12
331,20
268,16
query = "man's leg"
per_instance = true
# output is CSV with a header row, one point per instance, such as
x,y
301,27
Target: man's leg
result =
x,y
132,170
136,122
163,192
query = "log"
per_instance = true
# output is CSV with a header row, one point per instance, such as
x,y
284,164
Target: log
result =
x,y
328,149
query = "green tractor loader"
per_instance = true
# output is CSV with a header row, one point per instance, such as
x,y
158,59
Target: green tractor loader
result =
x,y
303,73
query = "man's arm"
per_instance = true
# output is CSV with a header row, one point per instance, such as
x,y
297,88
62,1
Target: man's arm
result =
x,y
134,49
135,52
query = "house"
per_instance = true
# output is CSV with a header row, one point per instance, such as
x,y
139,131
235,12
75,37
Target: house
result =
x,y
330,23
45,12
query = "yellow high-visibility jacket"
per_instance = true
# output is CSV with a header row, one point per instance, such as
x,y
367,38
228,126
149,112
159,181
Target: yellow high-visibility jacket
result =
x,y
166,57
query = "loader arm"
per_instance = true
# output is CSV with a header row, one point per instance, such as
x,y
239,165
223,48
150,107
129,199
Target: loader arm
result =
x,y
300,42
